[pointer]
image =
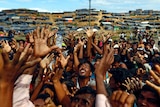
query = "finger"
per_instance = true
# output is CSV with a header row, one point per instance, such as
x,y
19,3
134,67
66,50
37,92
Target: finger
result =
x,y
47,56
124,84
7,42
23,59
38,32
42,33
130,100
152,85
53,47
68,58
5,56
17,55
127,81
123,97
35,34
26,48
113,97
155,76
29,64
51,56
119,93
157,67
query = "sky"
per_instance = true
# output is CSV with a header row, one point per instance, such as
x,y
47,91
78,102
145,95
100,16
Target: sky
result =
x,y
71,5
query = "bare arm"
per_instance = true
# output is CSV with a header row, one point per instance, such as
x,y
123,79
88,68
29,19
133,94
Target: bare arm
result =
x,y
104,65
8,75
75,55
97,49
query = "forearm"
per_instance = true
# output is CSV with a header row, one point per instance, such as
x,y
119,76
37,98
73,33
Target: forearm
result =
x,y
100,87
36,91
76,60
61,95
81,52
89,47
6,95
97,49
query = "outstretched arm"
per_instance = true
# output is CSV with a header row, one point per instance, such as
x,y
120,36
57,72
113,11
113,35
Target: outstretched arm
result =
x,y
104,65
8,75
60,92
97,49
89,33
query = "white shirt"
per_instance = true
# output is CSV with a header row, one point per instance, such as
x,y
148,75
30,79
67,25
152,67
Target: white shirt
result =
x,y
21,92
102,101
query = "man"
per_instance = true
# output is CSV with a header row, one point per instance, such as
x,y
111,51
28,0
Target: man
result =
x,y
148,97
84,73
85,97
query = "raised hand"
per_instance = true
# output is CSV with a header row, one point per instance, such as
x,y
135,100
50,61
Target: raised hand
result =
x,y
46,60
14,44
40,39
76,48
27,48
122,99
31,39
106,60
6,46
105,38
101,70
57,74
7,73
157,80
63,60
132,85
89,32
52,33
81,42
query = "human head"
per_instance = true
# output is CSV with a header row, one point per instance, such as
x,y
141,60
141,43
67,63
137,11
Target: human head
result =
x,y
148,97
85,69
117,60
85,97
119,75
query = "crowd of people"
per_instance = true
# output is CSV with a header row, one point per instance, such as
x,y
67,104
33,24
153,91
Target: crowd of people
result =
x,y
89,70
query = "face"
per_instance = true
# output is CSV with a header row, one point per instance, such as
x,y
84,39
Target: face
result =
x,y
116,51
147,99
83,100
85,70
112,84
95,41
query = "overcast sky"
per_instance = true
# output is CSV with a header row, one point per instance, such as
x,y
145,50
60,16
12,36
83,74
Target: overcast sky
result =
x,y
71,5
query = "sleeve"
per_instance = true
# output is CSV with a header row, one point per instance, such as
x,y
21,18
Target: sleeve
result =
x,y
21,91
102,101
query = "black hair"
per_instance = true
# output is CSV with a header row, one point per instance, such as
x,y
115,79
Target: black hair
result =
x,y
155,60
88,62
150,89
43,96
120,75
86,90
117,58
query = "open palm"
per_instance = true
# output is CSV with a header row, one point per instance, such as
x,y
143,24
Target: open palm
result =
x,y
40,46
